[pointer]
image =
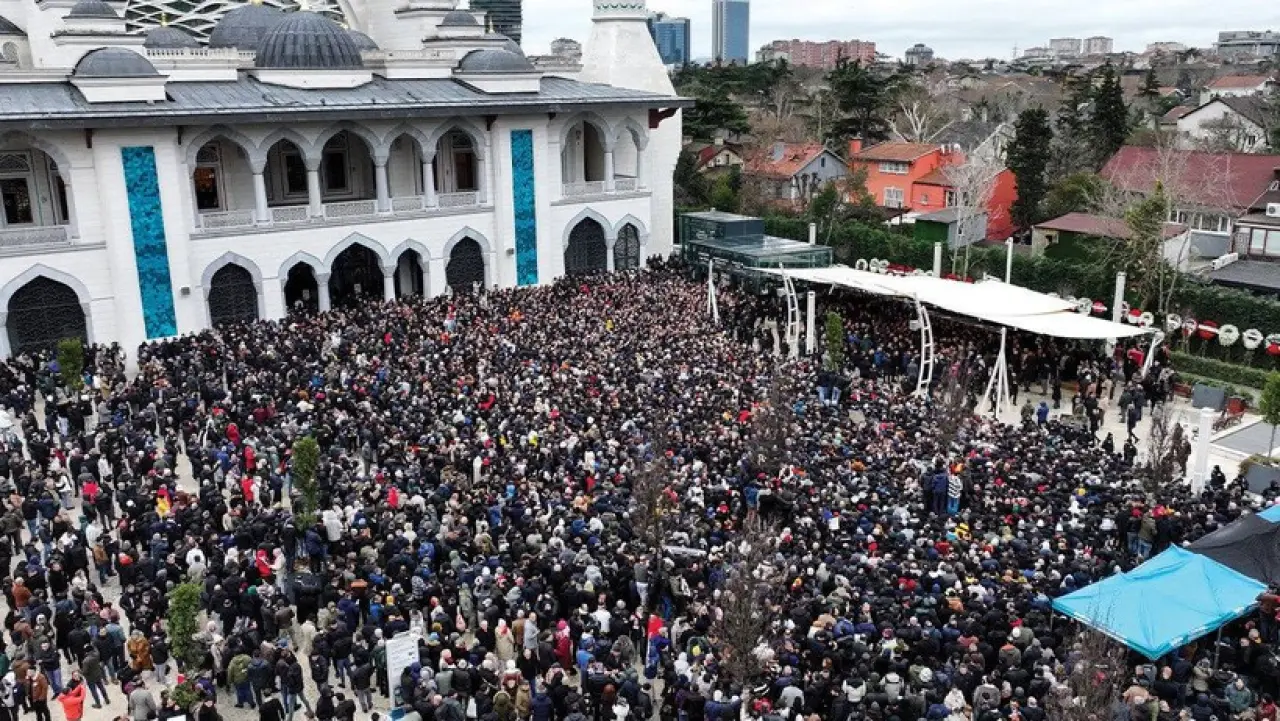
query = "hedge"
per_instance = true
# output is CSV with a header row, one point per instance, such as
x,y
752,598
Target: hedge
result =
x,y
1228,372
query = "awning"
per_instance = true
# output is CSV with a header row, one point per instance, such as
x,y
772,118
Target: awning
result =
x,y
992,301
1250,545
1165,603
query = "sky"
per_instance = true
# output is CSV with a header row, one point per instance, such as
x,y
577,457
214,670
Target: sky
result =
x,y
953,28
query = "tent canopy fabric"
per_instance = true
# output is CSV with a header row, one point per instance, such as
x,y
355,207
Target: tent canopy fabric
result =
x,y
1165,603
991,300
1250,545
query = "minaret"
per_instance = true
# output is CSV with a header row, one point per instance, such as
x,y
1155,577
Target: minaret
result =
x,y
620,52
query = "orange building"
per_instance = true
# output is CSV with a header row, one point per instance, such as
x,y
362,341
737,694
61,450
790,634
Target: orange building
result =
x,y
913,177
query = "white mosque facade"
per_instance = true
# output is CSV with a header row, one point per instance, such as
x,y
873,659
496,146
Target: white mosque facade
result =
x,y
161,180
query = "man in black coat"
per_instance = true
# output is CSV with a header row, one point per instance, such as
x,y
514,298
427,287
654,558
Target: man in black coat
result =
x,y
271,709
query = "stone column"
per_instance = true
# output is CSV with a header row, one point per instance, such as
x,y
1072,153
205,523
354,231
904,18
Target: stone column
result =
x,y
429,183
315,204
436,278
381,185
261,212
640,181
389,283
608,171
1200,473
322,286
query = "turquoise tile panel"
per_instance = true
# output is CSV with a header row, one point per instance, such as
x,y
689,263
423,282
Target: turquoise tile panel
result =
x,y
526,207
150,251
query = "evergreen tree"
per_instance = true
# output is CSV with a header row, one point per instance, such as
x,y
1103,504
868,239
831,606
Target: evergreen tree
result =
x,y
1109,119
1071,142
1028,157
864,99
1150,85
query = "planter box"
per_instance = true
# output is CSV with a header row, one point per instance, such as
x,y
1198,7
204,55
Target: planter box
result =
x,y
1203,396
1236,404
1260,476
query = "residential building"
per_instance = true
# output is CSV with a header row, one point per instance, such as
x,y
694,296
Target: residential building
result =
x,y
731,31
1165,48
1169,121
1098,45
672,37
1211,190
824,55
1036,52
794,172
1230,123
893,168
153,186
715,157
1066,47
1256,245
1248,44
1237,86
505,17
1059,235
918,54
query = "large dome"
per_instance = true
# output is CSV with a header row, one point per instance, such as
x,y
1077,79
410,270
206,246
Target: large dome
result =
x,y
167,36
362,41
495,60
93,9
114,63
244,27
307,40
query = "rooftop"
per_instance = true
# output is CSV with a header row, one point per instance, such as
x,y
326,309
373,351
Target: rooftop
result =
x,y
1100,226
1212,180
40,106
896,152
1251,273
784,160
1237,82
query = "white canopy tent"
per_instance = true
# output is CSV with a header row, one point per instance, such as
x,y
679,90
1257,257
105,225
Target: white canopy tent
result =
x,y
991,301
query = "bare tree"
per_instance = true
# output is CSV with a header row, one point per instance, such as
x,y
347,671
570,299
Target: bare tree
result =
x,y
1097,679
1164,444
973,184
652,505
745,607
771,426
924,110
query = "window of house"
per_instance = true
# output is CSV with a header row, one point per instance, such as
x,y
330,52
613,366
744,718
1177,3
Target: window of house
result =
x,y
289,173
894,168
206,178
61,208
893,197
950,198
15,188
333,166
822,162
1258,241
464,159
924,198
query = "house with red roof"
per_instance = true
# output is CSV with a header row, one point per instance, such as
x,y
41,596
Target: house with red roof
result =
x,y
715,158
793,173
921,179
1237,86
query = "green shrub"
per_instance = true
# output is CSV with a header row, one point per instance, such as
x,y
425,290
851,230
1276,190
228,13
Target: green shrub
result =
x,y
1220,370
71,363
1233,391
184,610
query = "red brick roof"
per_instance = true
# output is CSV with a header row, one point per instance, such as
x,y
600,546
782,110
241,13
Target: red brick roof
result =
x,y
1100,226
1175,113
1238,81
937,177
896,152
1215,180
794,157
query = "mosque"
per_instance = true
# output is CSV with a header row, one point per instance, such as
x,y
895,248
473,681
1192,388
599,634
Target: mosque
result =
x,y
162,177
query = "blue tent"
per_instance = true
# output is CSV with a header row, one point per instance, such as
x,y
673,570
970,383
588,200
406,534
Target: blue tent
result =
x,y
1165,603
1272,514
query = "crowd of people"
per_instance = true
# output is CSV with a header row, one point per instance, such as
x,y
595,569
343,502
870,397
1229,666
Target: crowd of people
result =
x,y
564,495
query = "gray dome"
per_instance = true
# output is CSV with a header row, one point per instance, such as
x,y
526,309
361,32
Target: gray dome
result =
x,y
8,28
244,27
507,43
307,40
93,9
459,18
495,60
363,42
167,36
114,63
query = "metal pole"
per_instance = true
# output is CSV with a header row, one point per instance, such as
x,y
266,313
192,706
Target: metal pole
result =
x,y
937,260
1008,261
813,234
811,327
1200,472
1116,302
1217,644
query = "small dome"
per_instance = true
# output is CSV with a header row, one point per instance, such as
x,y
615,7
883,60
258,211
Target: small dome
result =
x,y
362,41
244,27
114,63
8,28
167,36
495,60
93,9
507,43
459,18
307,40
